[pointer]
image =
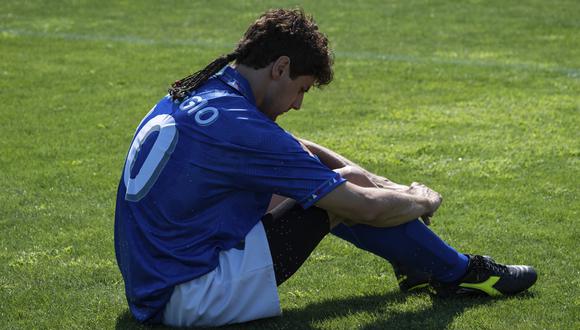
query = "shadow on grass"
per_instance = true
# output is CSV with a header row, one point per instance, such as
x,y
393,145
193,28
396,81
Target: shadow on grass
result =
x,y
383,307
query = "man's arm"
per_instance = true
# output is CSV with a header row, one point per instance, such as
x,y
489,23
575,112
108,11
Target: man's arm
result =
x,y
361,177
334,161
380,207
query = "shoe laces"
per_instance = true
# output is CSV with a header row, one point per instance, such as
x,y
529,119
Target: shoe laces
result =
x,y
480,262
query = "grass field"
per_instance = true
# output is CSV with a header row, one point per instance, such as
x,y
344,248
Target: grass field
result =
x,y
478,99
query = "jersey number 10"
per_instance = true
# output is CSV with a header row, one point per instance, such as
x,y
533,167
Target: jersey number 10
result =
x,y
140,185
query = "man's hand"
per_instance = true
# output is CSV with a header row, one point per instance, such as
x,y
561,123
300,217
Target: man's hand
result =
x,y
432,196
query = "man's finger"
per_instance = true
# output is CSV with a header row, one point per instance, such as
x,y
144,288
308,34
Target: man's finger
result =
x,y
426,219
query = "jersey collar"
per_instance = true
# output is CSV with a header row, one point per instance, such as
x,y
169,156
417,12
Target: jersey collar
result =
x,y
235,80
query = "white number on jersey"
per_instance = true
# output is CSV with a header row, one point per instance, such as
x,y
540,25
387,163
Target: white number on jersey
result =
x,y
140,185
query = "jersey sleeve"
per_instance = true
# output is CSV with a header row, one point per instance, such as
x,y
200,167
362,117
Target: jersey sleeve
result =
x,y
291,173
262,157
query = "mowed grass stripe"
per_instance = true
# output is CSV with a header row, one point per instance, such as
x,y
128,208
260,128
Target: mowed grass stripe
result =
x,y
352,55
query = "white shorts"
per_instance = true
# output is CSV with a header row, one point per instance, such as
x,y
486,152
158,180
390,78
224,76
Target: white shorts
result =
x,y
242,288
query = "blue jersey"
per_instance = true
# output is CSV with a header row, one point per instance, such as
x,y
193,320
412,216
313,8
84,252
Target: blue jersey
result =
x,y
198,176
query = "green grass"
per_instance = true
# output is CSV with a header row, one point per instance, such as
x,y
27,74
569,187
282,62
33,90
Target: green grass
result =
x,y
478,99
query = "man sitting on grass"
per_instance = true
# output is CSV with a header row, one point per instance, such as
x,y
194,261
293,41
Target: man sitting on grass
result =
x,y
218,205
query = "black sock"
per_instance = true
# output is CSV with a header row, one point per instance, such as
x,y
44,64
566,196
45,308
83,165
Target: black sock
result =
x,y
293,236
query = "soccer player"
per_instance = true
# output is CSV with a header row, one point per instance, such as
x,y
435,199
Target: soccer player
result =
x,y
218,205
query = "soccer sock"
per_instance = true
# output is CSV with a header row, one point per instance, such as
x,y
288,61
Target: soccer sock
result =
x,y
411,244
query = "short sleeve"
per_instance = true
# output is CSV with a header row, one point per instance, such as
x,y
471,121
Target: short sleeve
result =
x,y
293,173
260,156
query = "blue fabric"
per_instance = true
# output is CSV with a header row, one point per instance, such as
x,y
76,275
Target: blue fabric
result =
x,y
199,175
411,244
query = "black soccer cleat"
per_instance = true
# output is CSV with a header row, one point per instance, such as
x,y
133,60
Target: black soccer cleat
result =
x,y
486,277
410,280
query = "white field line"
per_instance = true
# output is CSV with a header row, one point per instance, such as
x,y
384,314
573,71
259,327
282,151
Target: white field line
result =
x,y
351,55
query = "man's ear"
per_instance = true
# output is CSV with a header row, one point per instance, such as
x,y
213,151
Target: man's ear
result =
x,y
280,67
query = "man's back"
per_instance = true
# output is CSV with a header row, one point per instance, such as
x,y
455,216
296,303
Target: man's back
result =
x,y
199,175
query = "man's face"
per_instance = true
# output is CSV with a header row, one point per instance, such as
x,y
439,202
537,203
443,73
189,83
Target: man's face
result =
x,y
285,94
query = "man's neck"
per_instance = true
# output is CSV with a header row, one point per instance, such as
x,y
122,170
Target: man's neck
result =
x,y
258,80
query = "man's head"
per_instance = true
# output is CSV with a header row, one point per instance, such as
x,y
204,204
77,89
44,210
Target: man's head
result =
x,y
285,44
291,33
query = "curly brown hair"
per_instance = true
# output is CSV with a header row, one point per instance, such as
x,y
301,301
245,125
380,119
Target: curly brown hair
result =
x,y
277,32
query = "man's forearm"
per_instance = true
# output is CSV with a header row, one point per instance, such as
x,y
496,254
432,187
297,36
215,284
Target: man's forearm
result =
x,y
334,160
352,204
363,178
